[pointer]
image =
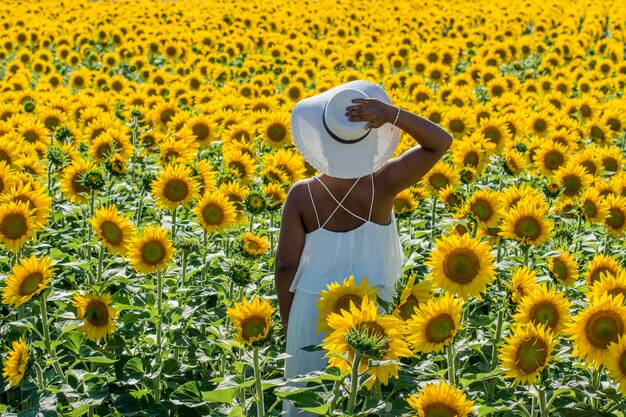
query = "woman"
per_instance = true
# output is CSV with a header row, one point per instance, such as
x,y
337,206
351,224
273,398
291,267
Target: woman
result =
x,y
340,223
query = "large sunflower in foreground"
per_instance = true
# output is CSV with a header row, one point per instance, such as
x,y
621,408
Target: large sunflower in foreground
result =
x,y
151,251
215,212
114,230
27,280
98,315
413,295
175,186
441,400
252,320
544,306
527,223
616,363
16,364
461,265
337,297
353,329
434,325
526,352
596,327
610,284
563,268
16,224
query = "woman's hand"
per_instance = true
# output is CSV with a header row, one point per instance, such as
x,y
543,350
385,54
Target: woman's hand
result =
x,y
371,110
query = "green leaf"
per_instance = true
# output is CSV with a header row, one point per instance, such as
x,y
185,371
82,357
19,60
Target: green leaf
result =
x,y
99,359
134,371
237,412
74,340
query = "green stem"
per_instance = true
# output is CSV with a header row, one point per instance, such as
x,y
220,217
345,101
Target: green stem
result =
x,y
272,232
354,382
260,410
543,408
159,335
451,364
333,402
251,222
205,248
525,249
496,340
174,223
183,276
100,260
46,334
433,217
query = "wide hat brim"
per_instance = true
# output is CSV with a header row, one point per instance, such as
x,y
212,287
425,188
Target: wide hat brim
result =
x,y
330,156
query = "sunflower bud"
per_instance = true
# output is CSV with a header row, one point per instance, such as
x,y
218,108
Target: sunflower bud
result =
x,y
239,273
93,179
255,202
29,106
187,244
226,175
57,156
63,134
551,188
368,340
116,165
521,147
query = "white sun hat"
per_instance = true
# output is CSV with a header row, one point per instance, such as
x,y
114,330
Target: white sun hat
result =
x,y
336,146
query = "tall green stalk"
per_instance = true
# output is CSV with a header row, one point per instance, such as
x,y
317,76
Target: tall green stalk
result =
x,y
159,335
354,382
260,409
46,334
451,364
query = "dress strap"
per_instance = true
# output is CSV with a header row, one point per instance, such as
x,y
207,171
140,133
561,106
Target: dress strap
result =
x,y
340,203
308,184
369,216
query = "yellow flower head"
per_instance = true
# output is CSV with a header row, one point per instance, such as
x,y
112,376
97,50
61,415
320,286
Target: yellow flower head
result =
x,y
441,400
527,223
150,251
338,297
413,295
16,224
610,284
175,186
15,366
544,306
251,320
114,230
215,212
526,352
616,363
434,325
27,280
254,245
98,315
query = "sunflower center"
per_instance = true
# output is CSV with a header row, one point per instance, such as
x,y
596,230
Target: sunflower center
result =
x,y
531,355
622,363
540,126
545,313
572,185
4,156
14,226
276,132
482,209
559,269
251,327
438,181
596,274
590,208
111,232
78,188
553,160
527,227
457,126
440,328
251,245
30,283
439,409
461,265
589,166
616,218
97,313
493,134
610,164
453,200
408,308
153,252
471,159
167,115
201,131
604,327
343,302
212,214
176,190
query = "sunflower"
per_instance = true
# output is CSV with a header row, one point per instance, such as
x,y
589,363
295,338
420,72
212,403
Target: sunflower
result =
x,y
484,207
202,129
611,158
173,150
539,123
175,186
523,281
27,280
549,157
514,162
611,284
236,194
439,177
616,362
404,203
592,206
16,364
494,131
461,265
434,324
544,306
288,162
511,196
350,332
598,266
596,327
70,181
253,245
6,177
616,220
452,198
8,149
441,400
470,153
252,320
573,179
458,121
275,131
242,164
214,212
338,297
114,230
37,198
151,251
412,297
274,194
527,223
98,315
563,268
526,352
16,224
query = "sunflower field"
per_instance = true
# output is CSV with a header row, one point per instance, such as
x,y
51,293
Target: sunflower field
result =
x,y
145,153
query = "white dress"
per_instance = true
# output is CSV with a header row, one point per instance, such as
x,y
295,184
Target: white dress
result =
x,y
371,250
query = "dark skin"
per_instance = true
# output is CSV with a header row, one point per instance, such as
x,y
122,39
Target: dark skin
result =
x,y
298,216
